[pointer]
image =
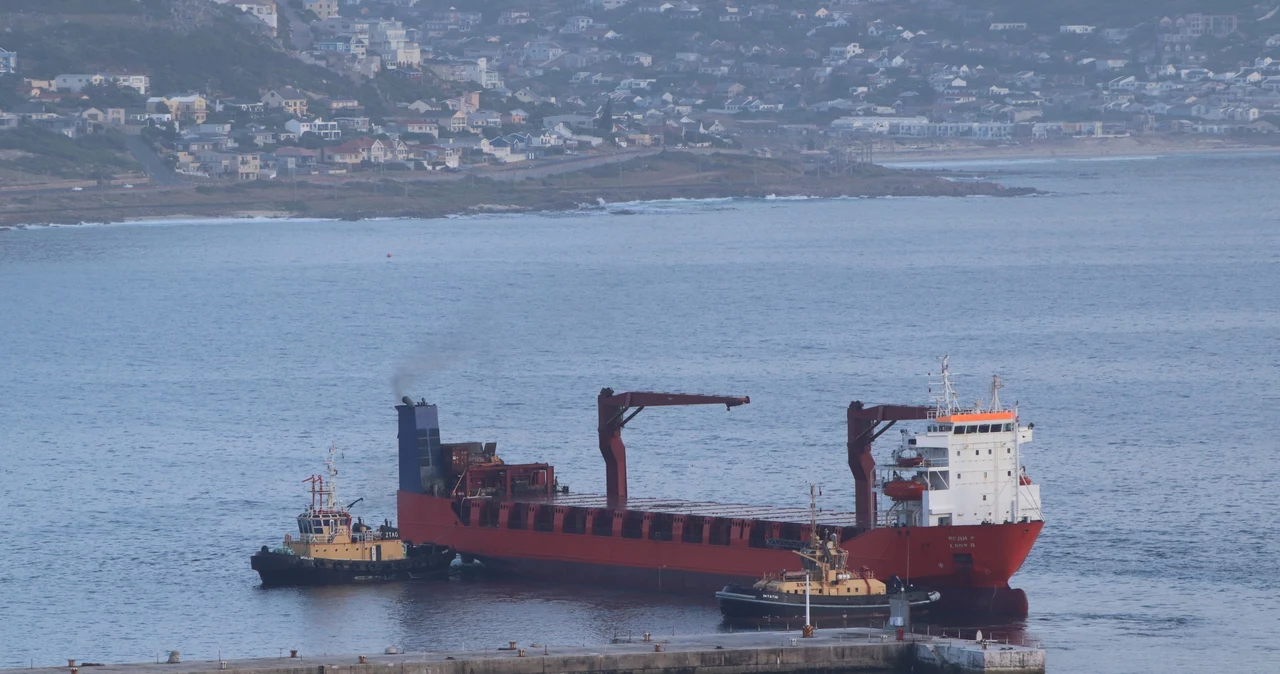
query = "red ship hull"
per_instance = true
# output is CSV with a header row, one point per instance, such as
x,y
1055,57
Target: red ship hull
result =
x,y
970,565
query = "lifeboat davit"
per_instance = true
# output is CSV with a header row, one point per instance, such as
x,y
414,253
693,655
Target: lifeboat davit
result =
x,y
904,490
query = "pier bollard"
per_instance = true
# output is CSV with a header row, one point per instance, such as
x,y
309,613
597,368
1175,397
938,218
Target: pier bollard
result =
x,y
520,653
175,657
647,637
71,662
293,652
363,659
657,648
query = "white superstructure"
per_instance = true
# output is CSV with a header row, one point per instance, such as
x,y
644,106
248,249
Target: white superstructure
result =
x,y
964,468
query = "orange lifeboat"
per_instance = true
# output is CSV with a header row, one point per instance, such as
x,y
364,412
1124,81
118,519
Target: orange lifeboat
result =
x,y
904,490
1024,480
908,457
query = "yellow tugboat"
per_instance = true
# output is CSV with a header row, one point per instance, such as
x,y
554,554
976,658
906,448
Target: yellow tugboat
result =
x,y
825,586
331,549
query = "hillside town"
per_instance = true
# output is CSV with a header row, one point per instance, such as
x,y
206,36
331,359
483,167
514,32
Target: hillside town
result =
x,y
466,85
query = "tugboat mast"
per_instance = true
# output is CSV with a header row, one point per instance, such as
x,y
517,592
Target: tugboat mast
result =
x,y
813,535
324,496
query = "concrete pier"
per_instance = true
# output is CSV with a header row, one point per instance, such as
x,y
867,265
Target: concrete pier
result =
x,y
828,651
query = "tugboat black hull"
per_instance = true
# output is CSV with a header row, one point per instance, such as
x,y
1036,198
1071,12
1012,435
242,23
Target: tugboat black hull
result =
x,y
740,602
277,569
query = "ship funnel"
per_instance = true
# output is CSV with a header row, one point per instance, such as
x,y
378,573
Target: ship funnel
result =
x,y
421,457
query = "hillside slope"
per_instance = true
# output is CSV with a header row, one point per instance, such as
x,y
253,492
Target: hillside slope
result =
x,y
185,45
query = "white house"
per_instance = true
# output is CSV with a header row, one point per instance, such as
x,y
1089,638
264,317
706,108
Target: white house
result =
x,y
577,24
76,83
638,58
631,83
262,10
540,51
845,51
326,130
498,147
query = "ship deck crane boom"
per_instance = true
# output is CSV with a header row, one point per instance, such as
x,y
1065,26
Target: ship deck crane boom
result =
x,y
617,409
864,427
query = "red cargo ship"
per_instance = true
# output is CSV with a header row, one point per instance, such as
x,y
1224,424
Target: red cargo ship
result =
x,y
963,526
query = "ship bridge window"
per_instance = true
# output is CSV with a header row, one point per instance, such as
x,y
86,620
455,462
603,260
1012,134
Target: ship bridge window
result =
x,y
1008,427
973,428
984,428
960,430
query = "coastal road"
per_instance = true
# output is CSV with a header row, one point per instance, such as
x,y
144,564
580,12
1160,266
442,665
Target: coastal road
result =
x,y
157,171
550,167
299,30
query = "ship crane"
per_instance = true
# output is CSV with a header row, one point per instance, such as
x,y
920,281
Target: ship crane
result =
x,y
617,409
864,427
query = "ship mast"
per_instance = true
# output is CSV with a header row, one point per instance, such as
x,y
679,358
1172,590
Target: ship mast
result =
x,y
324,496
1017,465
996,384
813,536
332,492
945,401
813,516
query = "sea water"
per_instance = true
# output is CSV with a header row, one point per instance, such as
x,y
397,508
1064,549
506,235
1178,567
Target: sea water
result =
x,y
165,388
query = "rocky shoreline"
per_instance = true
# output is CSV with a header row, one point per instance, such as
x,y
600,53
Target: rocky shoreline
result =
x,y
667,175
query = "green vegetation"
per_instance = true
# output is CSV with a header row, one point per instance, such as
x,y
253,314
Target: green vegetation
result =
x,y
9,96
97,156
110,96
380,94
132,7
224,53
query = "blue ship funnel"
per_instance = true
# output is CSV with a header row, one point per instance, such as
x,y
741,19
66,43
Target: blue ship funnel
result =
x,y
421,457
